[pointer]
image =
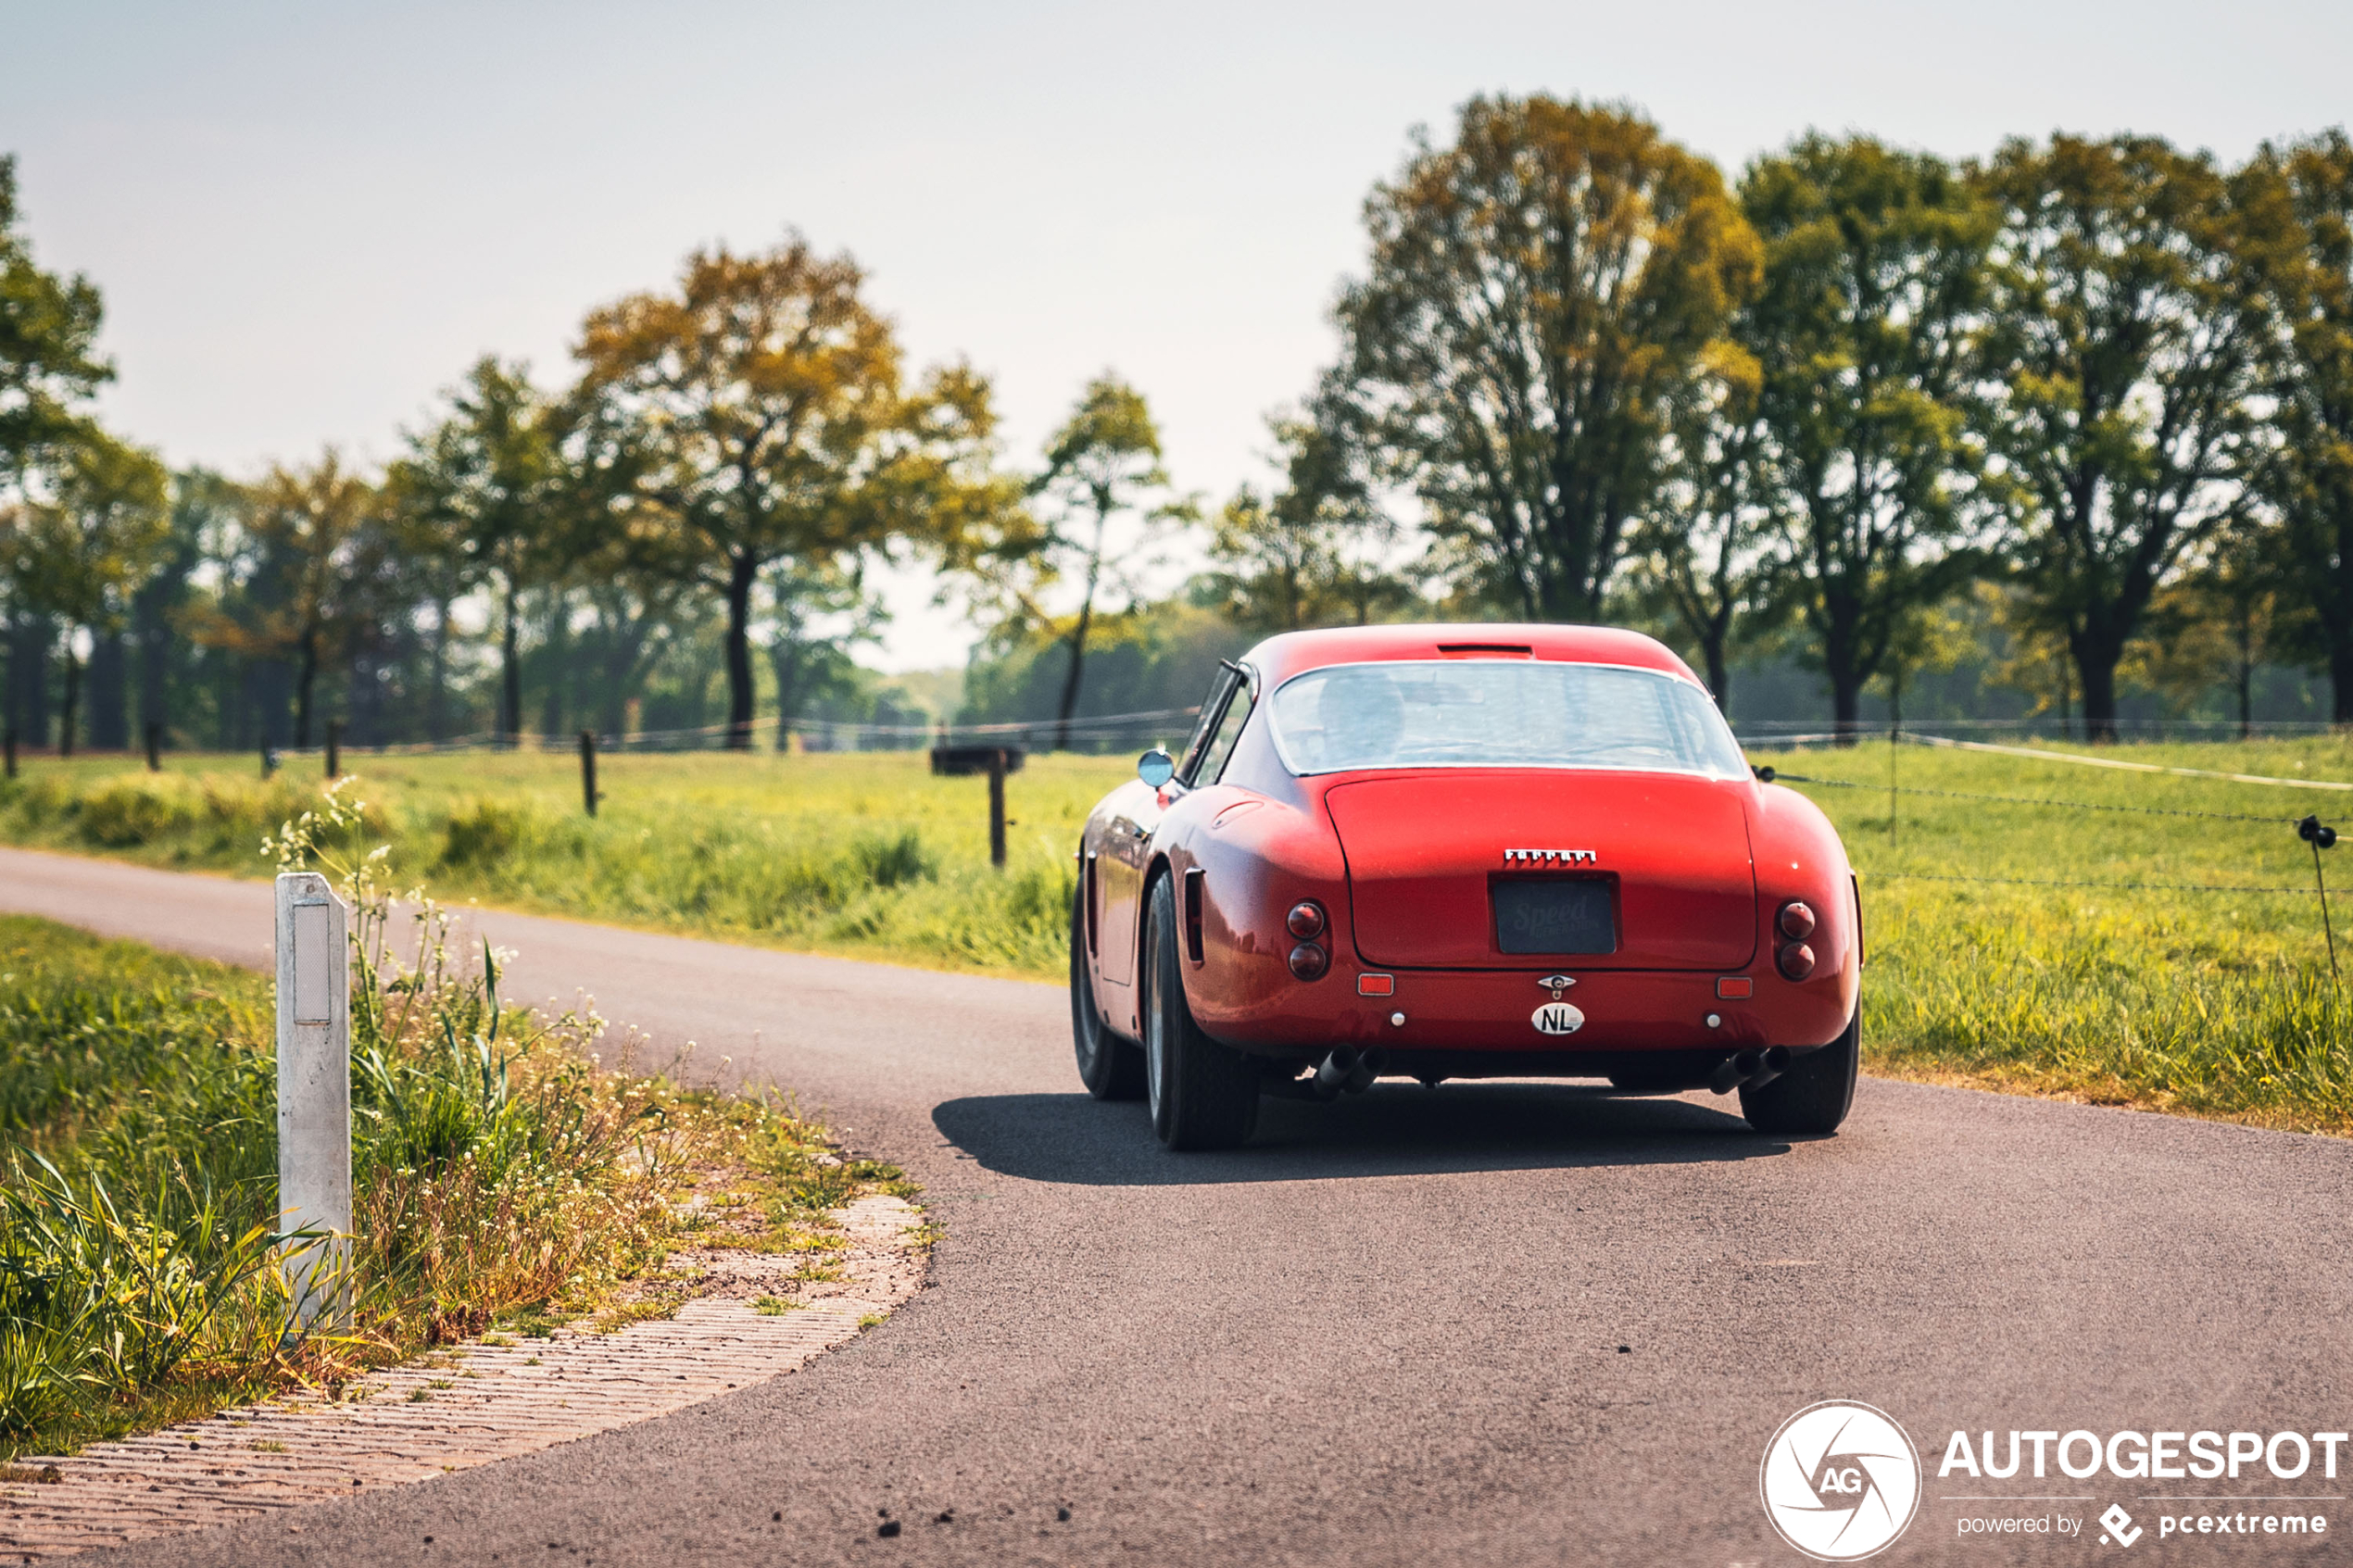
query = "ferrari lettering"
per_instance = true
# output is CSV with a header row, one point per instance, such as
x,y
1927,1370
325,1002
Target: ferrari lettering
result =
x,y
1548,857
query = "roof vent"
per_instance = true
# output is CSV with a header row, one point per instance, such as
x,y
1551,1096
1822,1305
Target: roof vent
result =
x,y
1486,650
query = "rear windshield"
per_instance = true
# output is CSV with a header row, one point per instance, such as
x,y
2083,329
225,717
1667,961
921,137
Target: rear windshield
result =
x,y
1499,714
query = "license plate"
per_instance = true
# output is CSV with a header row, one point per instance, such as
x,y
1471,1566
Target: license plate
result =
x,y
1555,915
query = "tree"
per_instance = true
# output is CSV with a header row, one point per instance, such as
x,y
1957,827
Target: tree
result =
x,y
1700,544
1537,293
480,492
2308,474
771,423
1874,278
1102,464
48,361
319,557
75,553
2126,332
1310,554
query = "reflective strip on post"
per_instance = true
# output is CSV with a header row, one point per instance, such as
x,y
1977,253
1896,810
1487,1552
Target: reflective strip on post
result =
x,y
314,1095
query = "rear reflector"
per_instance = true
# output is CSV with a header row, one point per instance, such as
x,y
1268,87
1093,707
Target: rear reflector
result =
x,y
1376,986
1735,987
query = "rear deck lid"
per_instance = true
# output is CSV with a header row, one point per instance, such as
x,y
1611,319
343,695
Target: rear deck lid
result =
x,y
1466,869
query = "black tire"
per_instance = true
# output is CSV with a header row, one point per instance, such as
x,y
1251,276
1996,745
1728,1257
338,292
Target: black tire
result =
x,y
1111,1065
1204,1095
1816,1092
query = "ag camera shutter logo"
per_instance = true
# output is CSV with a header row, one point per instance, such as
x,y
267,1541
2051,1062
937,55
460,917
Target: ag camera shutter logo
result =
x,y
1840,1481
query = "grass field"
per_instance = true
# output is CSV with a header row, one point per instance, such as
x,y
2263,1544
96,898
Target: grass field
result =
x,y
2220,1004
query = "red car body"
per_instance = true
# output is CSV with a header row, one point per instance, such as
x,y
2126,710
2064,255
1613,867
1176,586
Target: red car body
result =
x,y
1407,866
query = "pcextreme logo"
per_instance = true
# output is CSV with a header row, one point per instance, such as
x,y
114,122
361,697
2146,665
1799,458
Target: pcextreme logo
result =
x,y
1840,1481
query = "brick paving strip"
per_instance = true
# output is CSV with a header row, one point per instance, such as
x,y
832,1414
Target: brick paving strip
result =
x,y
469,1404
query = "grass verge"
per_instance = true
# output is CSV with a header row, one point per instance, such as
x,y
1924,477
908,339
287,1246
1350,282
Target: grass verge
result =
x,y
504,1176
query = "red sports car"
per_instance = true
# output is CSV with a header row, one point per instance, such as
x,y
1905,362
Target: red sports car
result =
x,y
1461,851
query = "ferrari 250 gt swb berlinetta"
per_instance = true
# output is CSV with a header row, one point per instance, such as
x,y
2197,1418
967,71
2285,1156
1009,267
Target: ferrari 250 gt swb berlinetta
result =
x,y
1461,851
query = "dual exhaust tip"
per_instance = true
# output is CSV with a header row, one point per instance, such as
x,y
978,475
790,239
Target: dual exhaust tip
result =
x,y
1749,1069
1349,1071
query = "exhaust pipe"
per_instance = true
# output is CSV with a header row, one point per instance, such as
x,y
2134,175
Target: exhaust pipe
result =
x,y
1740,1067
1349,1071
1774,1061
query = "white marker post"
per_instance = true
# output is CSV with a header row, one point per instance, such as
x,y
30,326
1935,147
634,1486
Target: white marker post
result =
x,y
314,1091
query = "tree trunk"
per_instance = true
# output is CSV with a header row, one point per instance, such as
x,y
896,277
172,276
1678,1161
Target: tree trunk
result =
x,y
1719,677
1071,677
742,572
73,698
1846,704
437,699
510,674
2095,665
306,679
2341,677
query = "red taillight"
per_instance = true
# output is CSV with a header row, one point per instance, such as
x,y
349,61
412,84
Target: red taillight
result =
x,y
1306,920
1795,961
1796,919
1308,962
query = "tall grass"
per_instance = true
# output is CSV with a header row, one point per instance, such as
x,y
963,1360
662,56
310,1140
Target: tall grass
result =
x,y
498,1168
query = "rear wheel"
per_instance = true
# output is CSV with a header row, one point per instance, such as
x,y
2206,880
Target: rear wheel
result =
x,y
1204,1095
1815,1093
1112,1068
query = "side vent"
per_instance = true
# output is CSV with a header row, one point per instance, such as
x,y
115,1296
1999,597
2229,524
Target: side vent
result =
x,y
1093,897
1192,914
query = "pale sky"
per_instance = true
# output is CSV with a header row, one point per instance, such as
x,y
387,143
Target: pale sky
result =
x,y
309,217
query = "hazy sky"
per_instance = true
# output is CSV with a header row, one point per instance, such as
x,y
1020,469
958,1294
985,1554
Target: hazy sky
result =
x,y
308,218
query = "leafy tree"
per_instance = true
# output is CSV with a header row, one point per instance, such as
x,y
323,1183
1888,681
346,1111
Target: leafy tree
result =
x,y
2308,474
2126,336
479,495
75,553
1875,274
1311,554
1102,464
48,356
1700,544
320,557
819,613
769,421
1539,292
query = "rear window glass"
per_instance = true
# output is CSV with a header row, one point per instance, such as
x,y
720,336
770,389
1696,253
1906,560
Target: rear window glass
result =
x,y
1501,713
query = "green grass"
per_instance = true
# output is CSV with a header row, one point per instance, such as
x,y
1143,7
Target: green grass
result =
x,y
2216,1004
2220,1004
865,855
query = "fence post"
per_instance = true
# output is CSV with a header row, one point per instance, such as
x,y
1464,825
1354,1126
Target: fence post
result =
x,y
334,750
155,748
314,1093
269,760
997,808
588,770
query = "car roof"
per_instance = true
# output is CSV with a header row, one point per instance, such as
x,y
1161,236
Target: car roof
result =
x,y
1280,656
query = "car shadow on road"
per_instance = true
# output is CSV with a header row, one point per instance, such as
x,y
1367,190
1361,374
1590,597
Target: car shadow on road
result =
x,y
1393,1130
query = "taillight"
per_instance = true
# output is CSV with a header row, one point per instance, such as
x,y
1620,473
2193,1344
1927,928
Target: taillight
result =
x,y
1795,961
1796,919
1306,920
1308,962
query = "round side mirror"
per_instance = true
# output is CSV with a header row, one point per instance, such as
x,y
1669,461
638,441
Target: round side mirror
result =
x,y
1155,767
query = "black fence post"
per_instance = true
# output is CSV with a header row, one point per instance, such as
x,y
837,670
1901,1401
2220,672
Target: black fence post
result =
x,y
588,771
154,748
269,760
997,808
335,749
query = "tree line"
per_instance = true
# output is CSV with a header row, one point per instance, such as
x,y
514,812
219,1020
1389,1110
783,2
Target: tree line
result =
x,y
1833,405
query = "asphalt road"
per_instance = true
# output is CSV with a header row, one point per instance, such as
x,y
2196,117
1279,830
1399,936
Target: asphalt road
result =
x,y
1488,1323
